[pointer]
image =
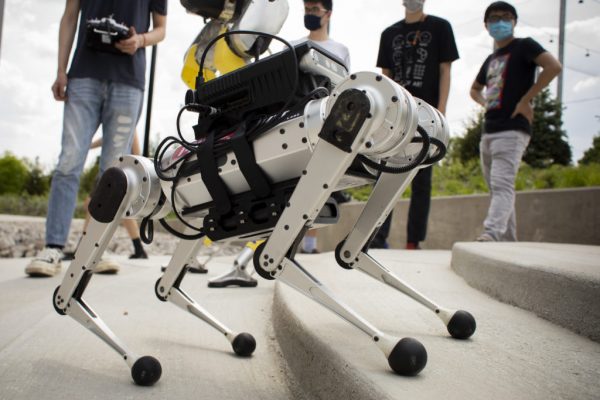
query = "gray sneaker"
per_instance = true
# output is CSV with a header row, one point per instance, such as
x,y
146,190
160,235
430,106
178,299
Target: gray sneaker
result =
x,y
106,267
46,264
484,237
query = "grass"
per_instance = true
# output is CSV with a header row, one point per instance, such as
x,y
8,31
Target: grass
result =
x,y
451,179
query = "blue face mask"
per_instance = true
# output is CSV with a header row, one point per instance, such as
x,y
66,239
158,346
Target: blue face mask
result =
x,y
500,30
312,22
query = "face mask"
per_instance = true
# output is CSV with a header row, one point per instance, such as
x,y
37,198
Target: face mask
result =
x,y
312,22
413,5
500,30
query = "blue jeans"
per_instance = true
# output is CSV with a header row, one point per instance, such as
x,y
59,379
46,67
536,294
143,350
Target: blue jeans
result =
x,y
90,102
501,155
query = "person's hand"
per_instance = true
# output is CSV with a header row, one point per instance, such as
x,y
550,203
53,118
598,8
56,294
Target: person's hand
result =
x,y
59,87
132,43
525,109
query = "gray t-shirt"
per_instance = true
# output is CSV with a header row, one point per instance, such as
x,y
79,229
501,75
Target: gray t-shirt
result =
x,y
122,68
331,46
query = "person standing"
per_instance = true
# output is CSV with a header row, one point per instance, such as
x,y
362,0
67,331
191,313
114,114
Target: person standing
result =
x,y
417,52
104,86
317,17
508,77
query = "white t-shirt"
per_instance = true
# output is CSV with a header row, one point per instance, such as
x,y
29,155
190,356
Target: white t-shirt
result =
x,y
331,46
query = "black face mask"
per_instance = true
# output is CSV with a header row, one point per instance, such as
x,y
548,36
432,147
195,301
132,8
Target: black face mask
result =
x,y
312,22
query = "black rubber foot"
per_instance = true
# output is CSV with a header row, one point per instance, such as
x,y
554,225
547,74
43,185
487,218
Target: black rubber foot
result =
x,y
244,344
462,325
146,371
408,358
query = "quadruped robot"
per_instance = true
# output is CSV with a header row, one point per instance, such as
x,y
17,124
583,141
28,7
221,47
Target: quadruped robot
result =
x,y
273,140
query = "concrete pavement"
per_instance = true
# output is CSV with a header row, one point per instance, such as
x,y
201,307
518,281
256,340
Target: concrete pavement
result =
x,y
512,355
303,351
47,356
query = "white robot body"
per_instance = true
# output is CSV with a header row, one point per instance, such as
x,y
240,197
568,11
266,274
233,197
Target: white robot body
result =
x,y
283,153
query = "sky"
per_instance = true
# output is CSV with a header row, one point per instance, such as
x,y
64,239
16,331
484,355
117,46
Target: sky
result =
x,y
31,120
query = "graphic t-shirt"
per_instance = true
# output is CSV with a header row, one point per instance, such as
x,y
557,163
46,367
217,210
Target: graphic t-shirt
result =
x,y
414,52
507,75
122,68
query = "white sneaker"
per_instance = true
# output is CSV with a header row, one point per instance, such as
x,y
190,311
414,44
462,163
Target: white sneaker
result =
x,y
106,267
46,264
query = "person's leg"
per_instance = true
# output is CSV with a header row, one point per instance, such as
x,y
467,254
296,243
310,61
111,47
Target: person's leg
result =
x,y
380,239
506,150
418,211
309,242
81,120
510,235
134,233
122,107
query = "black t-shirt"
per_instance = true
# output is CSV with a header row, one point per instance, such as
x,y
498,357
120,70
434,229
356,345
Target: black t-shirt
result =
x,y
413,52
507,74
122,68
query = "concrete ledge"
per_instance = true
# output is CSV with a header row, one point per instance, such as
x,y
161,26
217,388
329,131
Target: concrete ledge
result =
x,y
513,354
560,283
313,361
555,216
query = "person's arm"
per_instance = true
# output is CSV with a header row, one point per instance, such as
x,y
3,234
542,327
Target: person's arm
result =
x,y
135,145
139,40
445,69
551,67
66,35
477,93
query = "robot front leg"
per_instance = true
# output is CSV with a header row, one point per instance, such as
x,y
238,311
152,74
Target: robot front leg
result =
x,y
330,160
352,252
116,194
168,289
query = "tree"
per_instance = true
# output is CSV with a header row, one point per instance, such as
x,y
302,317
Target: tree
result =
x,y
37,183
88,179
592,155
14,174
466,147
548,143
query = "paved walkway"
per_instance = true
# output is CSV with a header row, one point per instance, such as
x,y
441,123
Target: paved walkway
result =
x,y
513,355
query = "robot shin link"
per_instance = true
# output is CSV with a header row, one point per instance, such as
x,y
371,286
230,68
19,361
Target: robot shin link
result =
x,y
274,139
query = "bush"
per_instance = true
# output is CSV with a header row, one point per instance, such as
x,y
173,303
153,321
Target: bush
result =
x,y
37,183
14,174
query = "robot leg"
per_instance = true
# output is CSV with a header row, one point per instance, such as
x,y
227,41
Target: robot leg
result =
x,y
323,172
352,252
168,289
130,189
238,275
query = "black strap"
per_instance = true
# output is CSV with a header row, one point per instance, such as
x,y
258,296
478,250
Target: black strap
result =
x,y
210,176
244,153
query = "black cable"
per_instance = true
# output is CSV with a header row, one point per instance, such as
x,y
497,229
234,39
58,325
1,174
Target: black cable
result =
x,y
178,234
147,235
441,152
401,170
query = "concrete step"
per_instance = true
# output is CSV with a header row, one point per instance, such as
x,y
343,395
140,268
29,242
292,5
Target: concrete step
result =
x,y
558,282
512,355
